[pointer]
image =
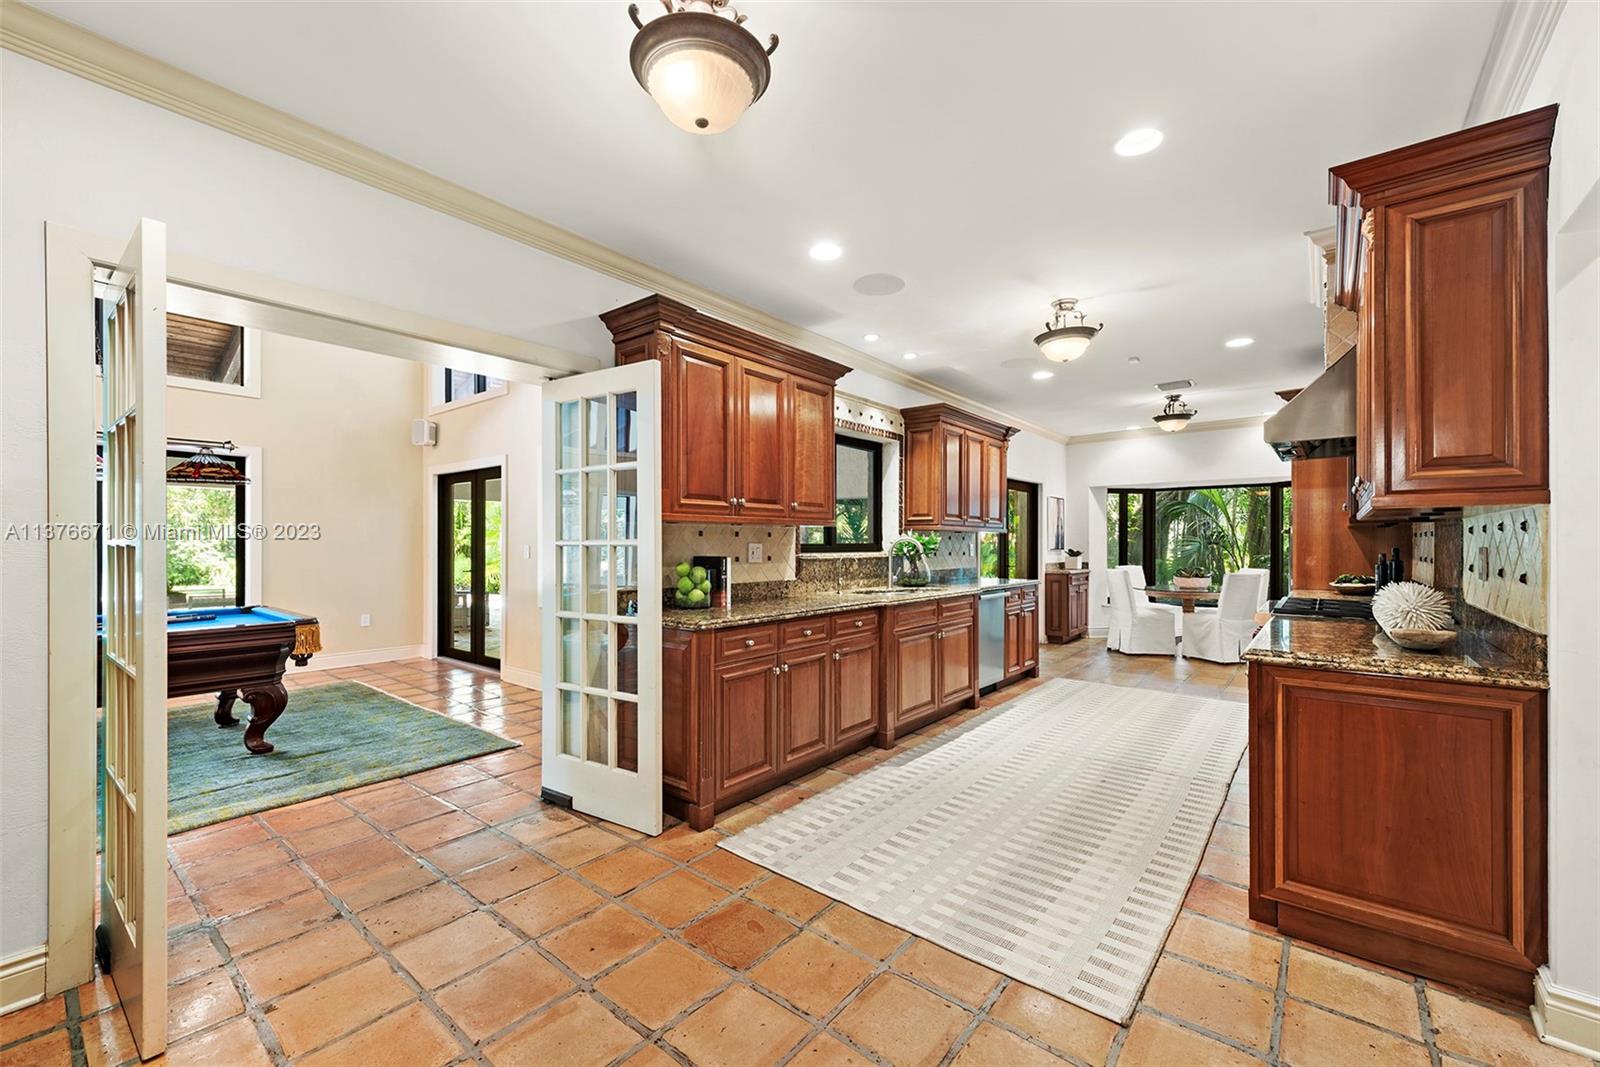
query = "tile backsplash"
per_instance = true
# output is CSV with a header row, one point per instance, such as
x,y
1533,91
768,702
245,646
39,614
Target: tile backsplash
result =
x,y
682,541
1491,563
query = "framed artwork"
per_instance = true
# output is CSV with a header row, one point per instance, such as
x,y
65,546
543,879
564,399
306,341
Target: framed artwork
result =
x,y
1058,524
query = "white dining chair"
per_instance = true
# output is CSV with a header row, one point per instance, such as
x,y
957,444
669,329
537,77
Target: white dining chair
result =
x,y
1220,634
1136,629
1135,575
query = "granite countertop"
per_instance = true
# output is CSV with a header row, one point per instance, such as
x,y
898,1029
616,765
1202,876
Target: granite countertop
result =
x,y
1361,648
823,602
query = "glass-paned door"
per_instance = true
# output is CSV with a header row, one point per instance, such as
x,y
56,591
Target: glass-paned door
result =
x,y
471,566
601,603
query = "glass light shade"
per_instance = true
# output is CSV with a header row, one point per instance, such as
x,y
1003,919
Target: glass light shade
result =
x,y
1065,345
1172,423
701,89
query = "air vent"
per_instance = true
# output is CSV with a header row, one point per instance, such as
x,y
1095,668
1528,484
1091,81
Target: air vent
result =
x,y
1175,387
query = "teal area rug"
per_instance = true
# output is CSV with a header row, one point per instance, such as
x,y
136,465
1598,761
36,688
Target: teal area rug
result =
x,y
331,738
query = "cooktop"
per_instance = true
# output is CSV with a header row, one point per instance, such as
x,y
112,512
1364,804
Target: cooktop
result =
x,y
1317,607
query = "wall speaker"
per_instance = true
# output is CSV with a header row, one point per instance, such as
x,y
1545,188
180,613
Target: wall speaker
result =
x,y
424,432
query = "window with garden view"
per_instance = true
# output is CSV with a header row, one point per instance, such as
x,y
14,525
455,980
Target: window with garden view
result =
x,y
858,501
1202,530
1009,553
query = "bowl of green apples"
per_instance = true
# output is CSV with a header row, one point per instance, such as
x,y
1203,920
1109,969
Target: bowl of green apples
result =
x,y
693,589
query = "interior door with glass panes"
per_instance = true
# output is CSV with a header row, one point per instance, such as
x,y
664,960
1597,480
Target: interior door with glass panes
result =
x,y
601,594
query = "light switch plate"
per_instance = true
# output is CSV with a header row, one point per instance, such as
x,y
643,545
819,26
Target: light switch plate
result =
x,y
366,620
753,552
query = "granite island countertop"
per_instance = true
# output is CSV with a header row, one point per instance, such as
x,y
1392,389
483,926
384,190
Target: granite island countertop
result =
x,y
1360,647
824,602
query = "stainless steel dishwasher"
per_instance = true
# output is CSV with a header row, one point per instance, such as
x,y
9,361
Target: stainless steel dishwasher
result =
x,y
991,638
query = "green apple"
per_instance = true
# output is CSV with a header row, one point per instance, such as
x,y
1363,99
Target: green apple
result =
x,y
705,587
698,574
685,584
696,598
683,570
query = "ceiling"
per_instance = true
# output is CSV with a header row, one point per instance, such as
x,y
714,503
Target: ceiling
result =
x,y
964,147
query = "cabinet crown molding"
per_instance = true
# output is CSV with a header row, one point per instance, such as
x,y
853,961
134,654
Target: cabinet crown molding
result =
x,y
927,414
662,314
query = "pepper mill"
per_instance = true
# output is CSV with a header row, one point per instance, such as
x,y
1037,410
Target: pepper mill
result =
x,y
1380,573
1397,567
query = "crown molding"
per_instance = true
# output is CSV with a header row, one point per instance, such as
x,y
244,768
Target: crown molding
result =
x,y
32,33
1147,431
1520,37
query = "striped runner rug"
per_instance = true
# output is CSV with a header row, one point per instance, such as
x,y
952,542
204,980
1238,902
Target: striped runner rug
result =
x,y
1052,839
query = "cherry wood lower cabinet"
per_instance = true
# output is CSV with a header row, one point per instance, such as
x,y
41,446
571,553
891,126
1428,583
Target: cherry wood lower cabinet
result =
x,y
930,664
1401,820
1066,605
1022,633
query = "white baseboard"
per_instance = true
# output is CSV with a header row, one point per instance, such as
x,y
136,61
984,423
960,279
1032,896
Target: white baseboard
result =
x,y
1099,631
22,978
331,661
1566,1018
521,676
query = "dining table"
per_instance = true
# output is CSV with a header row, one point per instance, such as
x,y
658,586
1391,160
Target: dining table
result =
x,y
1188,597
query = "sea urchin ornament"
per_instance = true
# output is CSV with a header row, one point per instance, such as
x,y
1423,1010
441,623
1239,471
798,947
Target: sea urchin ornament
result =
x,y
1411,606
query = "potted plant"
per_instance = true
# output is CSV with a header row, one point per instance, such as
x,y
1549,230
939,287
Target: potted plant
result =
x,y
1073,560
1191,578
912,549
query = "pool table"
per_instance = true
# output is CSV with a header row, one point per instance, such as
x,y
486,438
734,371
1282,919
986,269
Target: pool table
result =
x,y
233,651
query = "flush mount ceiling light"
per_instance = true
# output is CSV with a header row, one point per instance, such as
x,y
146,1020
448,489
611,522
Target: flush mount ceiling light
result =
x,y
1066,336
1239,342
1175,414
1138,142
699,63
825,251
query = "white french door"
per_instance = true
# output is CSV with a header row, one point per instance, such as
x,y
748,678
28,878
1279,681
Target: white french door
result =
x,y
601,593
132,937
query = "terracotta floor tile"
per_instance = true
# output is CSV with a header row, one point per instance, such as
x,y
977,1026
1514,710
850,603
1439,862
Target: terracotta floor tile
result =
x,y
1065,1027
349,1000
414,914
107,1040
430,833
1219,900
723,866
493,997
452,950
683,844
288,965
860,931
579,847
1224,1005
902,1022
180,913
248,894
1154,1042
788,898
738,933
377,884
357,856
507,875
990,1046
473,850
413,1028
213,871
189,954
512,805
442,778
577,1032
597,941
328,835
621,871
548,905
512,759
658,984
1237,951
304,816
267,926
677,898
1351,990
825,1050
1225,866
958,978
211,840
738,1028
33,1019
548,821
199,1002
1480,1032
52,1050
235,1044
479,792
411,809
96,995
650,1056
811,973
1315,1038
372,797
529,779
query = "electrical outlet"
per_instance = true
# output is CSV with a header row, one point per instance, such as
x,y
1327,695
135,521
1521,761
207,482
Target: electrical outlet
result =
x,y
753,552
366,620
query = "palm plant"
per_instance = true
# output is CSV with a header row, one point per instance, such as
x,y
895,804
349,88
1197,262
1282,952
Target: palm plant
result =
x,y
1213,530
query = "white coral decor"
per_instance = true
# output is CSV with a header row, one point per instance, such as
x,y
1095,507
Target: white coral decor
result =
x,y
1411,606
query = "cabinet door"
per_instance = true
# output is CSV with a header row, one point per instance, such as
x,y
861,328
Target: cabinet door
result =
x,y
1055,606
916,667
763,442
972,476
811,477
1028,636
994,483
1078,608
746,717
854,703
954,447
922,482
698,472
1013,641
803,689
957,660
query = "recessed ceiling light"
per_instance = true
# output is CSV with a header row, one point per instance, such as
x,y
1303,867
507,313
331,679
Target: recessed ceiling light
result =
x,y
1135,359
909,355
1041,375
826,251
1239,342
1138,142
869,337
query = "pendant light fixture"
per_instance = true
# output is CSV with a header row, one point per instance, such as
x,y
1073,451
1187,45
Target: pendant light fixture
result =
x,y
1066,336
1175,414
699,63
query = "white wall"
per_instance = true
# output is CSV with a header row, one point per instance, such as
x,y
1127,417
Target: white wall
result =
x,y
1567,76
1152,459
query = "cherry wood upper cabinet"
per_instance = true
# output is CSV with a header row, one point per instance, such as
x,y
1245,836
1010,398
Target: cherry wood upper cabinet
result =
x,y
954,470
747,422
1443,252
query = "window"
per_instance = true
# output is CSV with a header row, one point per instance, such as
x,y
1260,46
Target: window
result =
x,y
1013,552
449,386
1213,529
458,385
201,354
858,501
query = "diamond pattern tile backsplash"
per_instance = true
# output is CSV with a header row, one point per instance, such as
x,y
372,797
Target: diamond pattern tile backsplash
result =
x,y
1504,563
682,541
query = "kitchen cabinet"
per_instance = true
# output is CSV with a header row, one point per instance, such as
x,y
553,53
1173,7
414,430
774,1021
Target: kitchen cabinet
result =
x,y
953,471
1442,251
747,422
1066,605
930,654
853,705
1022,632
1326,542
803,692
1401,820
744,722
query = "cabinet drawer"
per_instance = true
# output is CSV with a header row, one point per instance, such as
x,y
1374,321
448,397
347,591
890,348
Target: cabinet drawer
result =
x,y
855,624
957,610
747,641
798,633
916,616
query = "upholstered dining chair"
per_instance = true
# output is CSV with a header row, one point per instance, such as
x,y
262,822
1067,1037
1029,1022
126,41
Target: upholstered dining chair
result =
x,y
1136,629
1135,575
1220,634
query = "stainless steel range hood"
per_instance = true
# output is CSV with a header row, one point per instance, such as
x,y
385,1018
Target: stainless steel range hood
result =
x,y
1321,419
